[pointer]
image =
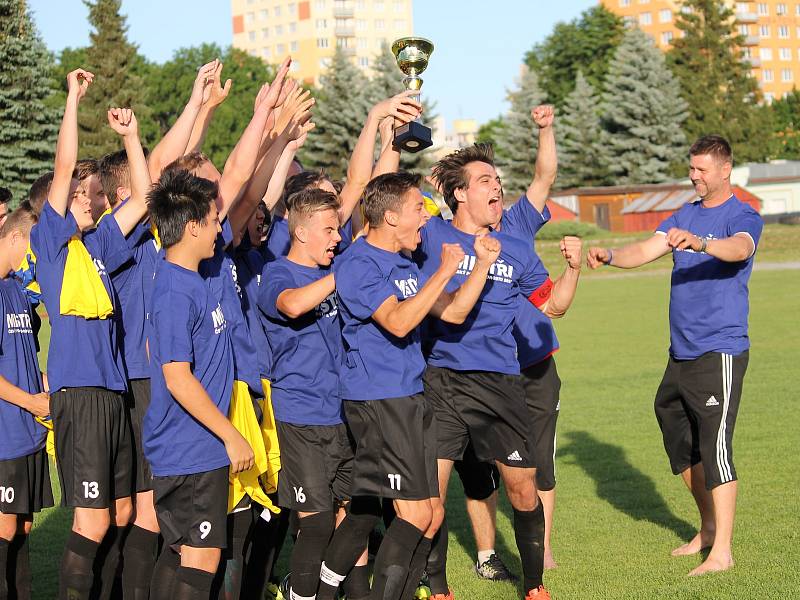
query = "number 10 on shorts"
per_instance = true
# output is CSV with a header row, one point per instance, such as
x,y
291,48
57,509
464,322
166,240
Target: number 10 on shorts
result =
x,y
394,481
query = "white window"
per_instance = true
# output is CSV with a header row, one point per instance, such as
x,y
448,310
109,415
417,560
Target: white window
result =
x,y
251,35
293,47
644,1
249,17
363,43
263,14
323,43
379,5
624,3
763,31
361,24
380,24
399,24
629,21
277,11
325,62
797,10
763,9
322,24
295,66
265,33
783,32
785,53
743,30
666,37
278,29
292,8
768,75
786,75
664,16
292,27
319,5
765,53
265,52
363,61
361,4
742,7
646,18
781,10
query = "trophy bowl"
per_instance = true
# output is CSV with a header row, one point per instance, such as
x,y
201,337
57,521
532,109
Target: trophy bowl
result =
x,y
412,55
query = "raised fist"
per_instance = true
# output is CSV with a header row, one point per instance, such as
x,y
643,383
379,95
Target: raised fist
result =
x,y
572,251
78,82
123,121
487,249
452,255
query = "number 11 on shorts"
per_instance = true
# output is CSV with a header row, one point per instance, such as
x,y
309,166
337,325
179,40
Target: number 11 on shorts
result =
x,y
394,481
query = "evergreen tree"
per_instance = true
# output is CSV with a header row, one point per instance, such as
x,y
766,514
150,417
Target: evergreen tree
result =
x,y
113,60
786,117
716,83
582,160
489,131
387,81
585,44
642,113
517,141
341,109
28,125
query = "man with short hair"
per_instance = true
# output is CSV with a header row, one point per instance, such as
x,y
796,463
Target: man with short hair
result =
x,y
89,185
713,241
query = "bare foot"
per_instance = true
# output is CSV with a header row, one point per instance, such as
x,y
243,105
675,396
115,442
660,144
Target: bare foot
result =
x,y
703,540
549,561
712,564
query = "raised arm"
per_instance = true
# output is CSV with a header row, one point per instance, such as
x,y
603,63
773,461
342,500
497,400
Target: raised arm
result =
x,y
389,158
191,395
546,166
404,107
67,146
174,143
401,318
455,307
630,256
296,302
123,121
216,96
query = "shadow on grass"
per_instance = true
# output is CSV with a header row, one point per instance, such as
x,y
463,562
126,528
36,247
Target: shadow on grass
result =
x,y
621,484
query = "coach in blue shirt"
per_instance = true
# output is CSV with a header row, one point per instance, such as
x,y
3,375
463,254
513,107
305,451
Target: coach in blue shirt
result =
x,y
713,242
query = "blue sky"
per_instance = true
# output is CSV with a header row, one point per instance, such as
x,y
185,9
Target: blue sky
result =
x,y
479,44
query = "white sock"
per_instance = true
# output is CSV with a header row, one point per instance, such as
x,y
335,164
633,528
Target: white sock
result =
x,y
483,555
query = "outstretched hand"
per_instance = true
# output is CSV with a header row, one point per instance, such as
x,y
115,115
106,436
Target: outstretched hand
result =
x,y
78,82
203,83
295,106
123,121
268,98
543,115
404,107
215,93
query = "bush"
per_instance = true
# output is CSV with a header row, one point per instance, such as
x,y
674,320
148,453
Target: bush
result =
x,y
556,231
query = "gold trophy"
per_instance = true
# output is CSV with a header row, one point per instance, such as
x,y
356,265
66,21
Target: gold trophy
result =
x,y
412,55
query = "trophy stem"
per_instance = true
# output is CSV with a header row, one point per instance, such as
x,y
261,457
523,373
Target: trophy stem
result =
x,y
414,82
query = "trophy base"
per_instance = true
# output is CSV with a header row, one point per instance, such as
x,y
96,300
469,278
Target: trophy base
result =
x,y
412,137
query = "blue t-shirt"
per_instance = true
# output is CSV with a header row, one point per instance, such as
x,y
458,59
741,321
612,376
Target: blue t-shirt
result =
x,y
708,300
134,285
20,434
279,241
306,352
377,365
249,266
83,352
533,330
485,341
222,278
187,325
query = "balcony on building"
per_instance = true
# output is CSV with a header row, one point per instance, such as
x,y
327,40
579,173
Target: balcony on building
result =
x,y
751,40
746,17
344,31
753,61
347,50
343,10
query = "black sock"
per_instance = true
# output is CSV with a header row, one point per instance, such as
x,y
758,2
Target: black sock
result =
x,y
141,548
313,537
192,584
356,586
107,561
437,561
19,568
77,573
262,552
417,566
228,580
164,574
394,560
4,545
348,542
529,533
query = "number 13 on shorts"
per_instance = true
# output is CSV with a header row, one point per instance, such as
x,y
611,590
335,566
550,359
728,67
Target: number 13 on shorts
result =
x,y
394,481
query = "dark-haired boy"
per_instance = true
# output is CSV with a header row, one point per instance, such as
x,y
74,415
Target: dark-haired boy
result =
x,y
188,440
92,431
24,469
382,302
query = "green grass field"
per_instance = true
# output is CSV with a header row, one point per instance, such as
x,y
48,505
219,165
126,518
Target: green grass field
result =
x,y
620,511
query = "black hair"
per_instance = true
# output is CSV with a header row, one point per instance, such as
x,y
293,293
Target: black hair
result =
x,y
177,199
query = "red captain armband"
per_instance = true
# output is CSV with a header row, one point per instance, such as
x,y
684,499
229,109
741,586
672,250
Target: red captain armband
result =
x,y
542,294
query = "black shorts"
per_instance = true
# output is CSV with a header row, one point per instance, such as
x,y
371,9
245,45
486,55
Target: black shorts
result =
x,y
395,454
316,466
480,479
137,399
94,451
542,386
485,408
25,484
192,510
696,406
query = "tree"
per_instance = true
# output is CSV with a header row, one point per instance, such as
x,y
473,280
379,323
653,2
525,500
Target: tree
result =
x,y
113,60
386,81
28,125
515,151
341,109
642,113
171,84
585,44
582,160
489,131
716,83
786,118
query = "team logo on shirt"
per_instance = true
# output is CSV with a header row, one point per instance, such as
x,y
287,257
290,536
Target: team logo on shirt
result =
x,y
19,323
235,277
408,287
327,308
101,268
499,271
219,320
